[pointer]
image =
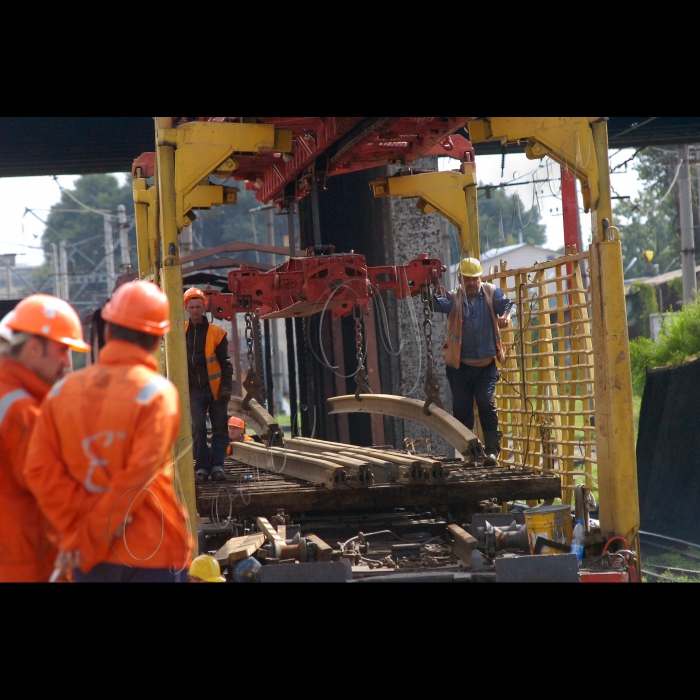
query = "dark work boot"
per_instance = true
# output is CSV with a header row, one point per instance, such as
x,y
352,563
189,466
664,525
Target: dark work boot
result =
x,y
492,448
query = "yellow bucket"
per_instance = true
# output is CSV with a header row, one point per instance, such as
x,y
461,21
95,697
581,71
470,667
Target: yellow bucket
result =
x,y
551,522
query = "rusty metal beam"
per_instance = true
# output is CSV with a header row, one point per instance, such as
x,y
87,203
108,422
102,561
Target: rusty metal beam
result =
x,y
464,495
235,247
440,422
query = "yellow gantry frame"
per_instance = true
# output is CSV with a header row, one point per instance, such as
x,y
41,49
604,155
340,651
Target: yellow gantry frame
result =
x,y
186,155
581,145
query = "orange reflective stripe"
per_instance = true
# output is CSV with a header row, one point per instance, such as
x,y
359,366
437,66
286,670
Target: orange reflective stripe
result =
x,y
214,336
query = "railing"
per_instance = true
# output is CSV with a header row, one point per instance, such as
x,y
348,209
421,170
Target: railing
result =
x,y
545,397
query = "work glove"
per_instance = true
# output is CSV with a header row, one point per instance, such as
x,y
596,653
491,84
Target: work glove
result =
x,y
224,396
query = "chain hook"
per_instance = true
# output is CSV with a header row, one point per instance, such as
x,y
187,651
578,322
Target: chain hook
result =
x,y
361,378
252,384
432,385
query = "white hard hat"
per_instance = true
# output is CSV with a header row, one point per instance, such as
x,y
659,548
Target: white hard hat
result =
x,y
5,332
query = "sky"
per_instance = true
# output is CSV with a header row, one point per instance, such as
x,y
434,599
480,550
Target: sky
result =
x,y
21,231
518,167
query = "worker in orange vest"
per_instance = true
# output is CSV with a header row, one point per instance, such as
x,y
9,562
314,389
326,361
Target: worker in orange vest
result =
x,y
236,430
236,433
39,332
99,461
210,380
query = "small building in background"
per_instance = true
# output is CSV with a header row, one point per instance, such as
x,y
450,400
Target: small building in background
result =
x,y
15,281
517,256
644,316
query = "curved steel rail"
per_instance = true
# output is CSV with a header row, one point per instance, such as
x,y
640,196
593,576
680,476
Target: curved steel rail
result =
x,y
263,423
439,421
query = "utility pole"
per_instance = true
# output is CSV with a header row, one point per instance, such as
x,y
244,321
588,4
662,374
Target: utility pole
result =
x,y
274,346
124,239
57,291
63,269
109,254
186,241
686,216
255,236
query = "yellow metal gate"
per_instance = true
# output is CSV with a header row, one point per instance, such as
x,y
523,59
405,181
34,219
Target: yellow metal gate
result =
x,y
545,397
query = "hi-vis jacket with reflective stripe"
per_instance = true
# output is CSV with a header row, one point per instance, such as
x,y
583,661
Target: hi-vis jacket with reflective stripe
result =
x,y
101,453
215,335
26,554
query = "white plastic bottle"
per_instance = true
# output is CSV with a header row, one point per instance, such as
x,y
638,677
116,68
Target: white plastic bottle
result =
x,y
577,540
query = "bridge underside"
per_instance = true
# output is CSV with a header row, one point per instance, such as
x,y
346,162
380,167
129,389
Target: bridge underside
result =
x,y
81,145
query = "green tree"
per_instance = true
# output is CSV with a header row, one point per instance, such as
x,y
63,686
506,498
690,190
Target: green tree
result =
x,y
236,223
82,227
502,217
652,221
679,341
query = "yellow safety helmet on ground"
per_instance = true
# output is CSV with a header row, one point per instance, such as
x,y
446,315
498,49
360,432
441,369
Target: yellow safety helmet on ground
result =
x,y
206,568
470,267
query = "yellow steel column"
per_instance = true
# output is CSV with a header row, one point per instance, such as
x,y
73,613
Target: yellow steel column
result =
x,y
175,347
614,423
142,195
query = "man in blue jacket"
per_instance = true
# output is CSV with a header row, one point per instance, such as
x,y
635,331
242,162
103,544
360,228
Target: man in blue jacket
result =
x,y
473,343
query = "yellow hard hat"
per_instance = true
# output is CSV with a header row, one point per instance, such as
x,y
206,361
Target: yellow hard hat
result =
x,y
470,267
206,568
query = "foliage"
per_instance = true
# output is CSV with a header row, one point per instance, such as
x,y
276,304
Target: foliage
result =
x,y
236,223
679,341
642,298
502,217
672,566
642,356
83,230
675,286
649,223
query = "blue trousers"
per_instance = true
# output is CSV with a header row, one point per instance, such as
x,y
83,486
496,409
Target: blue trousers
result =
x,y
114,573
202,402
469,383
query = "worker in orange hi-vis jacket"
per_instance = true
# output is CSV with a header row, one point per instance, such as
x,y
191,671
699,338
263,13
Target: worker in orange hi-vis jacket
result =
x,y
236,430
99,462
38,334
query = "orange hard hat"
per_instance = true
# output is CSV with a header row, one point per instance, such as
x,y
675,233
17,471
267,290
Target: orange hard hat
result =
x,y
49,317
236,422
195,293
141,306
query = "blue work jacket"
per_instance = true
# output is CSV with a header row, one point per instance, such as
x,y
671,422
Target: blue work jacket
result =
x,y
478,339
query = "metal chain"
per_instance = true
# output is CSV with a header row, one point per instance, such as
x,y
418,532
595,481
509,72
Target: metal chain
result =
x,y
252,384
361,378
432,385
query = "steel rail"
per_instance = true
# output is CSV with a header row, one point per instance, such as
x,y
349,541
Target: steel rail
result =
x,y
256,417
281,461
439,421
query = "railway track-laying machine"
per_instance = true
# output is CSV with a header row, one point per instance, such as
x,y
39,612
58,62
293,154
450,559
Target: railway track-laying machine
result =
x,y
301,508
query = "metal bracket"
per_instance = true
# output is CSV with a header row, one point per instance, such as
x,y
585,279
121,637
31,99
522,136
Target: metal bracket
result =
x,y
209,148
450,193
566,140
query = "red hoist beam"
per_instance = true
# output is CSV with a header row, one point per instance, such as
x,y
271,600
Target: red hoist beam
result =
x,y
305,286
